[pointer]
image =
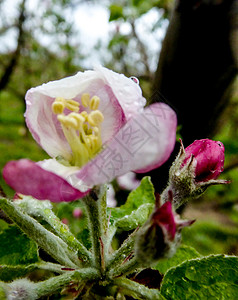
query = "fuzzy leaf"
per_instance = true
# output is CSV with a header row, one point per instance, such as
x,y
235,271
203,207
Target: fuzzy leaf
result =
x,y
16,248
182,254
141,195
212,277
136,218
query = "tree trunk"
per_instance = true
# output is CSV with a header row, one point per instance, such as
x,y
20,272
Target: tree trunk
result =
x,y
15,56
197,66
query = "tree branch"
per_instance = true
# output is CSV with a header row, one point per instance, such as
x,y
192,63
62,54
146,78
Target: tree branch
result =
x,y
15,56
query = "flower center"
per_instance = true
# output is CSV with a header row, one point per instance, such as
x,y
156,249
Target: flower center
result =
x,y
82,130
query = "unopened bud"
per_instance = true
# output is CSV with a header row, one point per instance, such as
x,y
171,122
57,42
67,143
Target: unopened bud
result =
x,y
194,169
209,156
160,235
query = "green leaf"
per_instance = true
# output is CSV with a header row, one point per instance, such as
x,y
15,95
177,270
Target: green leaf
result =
x,y
116,12
136,218
143,194
137,208
182,254
8,273
49,242
212,277
17,252
16,248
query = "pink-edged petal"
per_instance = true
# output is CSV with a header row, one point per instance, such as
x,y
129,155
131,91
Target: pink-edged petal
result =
x,y
127,92
166,138
144,143
114,116
45,127
28,178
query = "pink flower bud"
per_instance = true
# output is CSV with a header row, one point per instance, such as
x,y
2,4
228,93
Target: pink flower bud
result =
x,y
164,217
209,156
77,213
194,170
160,235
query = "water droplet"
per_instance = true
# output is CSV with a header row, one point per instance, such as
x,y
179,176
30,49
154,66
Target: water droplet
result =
x,y
136,80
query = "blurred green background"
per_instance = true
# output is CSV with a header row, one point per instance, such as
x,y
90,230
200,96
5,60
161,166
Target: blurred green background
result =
x,y
43,43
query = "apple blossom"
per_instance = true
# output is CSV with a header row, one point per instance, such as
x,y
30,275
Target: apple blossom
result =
x,y
95,128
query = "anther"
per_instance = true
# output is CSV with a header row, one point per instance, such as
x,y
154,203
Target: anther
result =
x,y
58,107
85,99
95,118
84,114
96,131
94,103
79,119
72,105
68,121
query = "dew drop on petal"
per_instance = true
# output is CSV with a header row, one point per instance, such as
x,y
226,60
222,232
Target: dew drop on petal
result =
x,y
136,80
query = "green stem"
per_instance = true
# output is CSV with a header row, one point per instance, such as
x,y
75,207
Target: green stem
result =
x,y
51,243
96,211
43,209
64,233
136,290
55,284
122,253
126,268
49,267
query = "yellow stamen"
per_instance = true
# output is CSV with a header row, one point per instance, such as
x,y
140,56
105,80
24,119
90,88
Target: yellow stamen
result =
x,y
82,130
78,118
68,121
85,99
86,129
84,114
58,107
72,105
96,131
94,103
95,118
60,99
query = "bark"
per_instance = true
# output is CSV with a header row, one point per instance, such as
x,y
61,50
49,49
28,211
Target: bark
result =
x,y
197,66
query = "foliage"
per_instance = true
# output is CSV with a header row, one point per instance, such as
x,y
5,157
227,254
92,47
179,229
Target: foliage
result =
x,y
210,277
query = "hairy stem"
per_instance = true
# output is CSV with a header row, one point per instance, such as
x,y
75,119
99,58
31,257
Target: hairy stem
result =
x,y
51,243
95,204
136,290
55,284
